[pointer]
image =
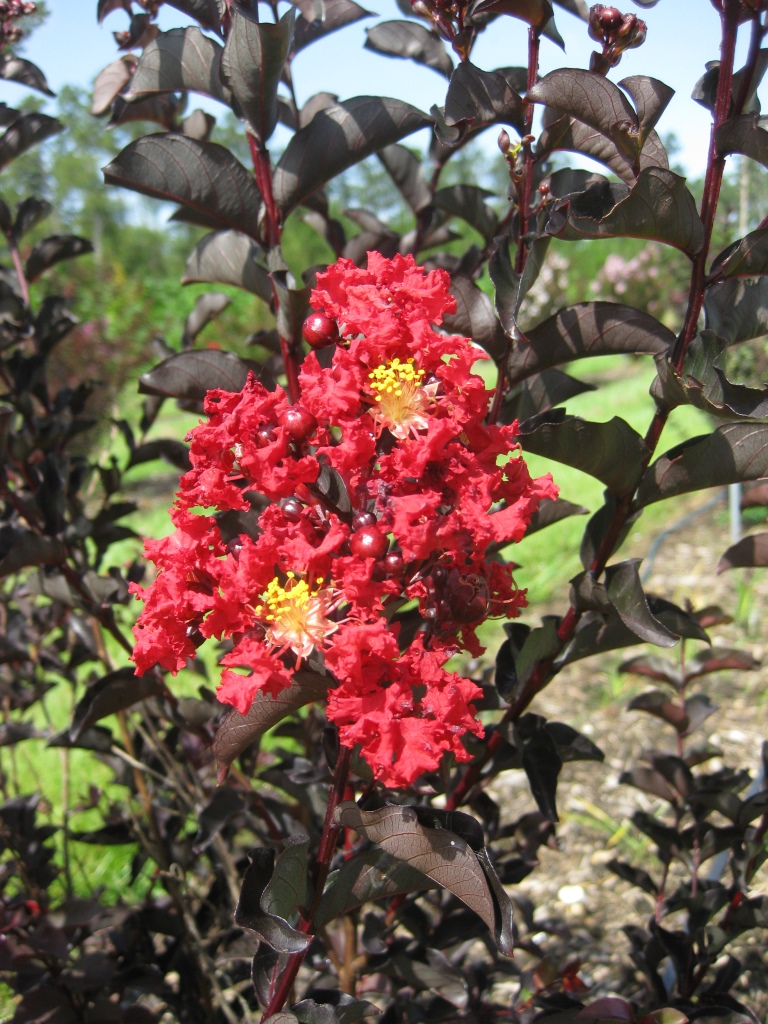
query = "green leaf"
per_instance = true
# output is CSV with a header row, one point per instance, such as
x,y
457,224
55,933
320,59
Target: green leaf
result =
x,y
252,64
410,41
337,138
744,134
236,731
202,176
438,853
365,877
658,206
229,257
587,329
730,454
25,132
181,60
611,452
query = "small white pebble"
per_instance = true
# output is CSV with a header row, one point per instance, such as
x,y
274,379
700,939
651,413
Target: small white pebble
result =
x,y
570,894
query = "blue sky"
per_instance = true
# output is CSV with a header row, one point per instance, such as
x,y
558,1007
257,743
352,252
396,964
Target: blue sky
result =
x,y
682,35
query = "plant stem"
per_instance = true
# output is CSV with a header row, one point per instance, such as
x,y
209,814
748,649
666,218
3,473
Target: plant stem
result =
x,y
284,983
262,171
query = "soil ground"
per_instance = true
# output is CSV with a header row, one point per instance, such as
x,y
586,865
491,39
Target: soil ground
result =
x,y
595,809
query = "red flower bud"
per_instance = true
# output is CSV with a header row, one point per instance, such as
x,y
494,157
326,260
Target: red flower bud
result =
x,y
292,509
369,542
610,19
319,331
362,519
299,423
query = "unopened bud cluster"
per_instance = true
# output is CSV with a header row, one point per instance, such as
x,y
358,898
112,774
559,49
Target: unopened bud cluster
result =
x,y
10,11
616,32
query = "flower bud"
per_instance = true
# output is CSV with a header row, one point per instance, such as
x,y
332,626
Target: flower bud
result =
x,y
362,519
369,542
320,331
504,141
298,422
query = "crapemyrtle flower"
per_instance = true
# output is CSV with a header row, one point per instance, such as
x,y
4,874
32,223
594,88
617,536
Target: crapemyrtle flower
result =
x,y
398,418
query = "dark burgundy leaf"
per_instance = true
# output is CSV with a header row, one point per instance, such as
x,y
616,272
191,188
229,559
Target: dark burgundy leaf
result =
x,y
658,206
24,72
468,202
752,550
746,258
650,97
115,834
698,708
609,1008
737,309
660,706
577,7
254,56
201,175
595,101
406,171
475,318
541,393
650,781
6,217
612,452
237,731
535,12
569,134
438,853
573,745
538,645
730,454
206,12
114,692
20,548
207,307
477,99
163,109
271,893
653,667
550,512
191,374
745,134
229,257
411,41
720,659
337,138
25,132
587,329
511,288
52,250
181,60
321,17
173,451
626,593
704,384
365,877
110,83
635,876
105,7
541,762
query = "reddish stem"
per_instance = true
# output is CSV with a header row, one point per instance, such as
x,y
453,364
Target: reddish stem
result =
x,y
283,983
262,171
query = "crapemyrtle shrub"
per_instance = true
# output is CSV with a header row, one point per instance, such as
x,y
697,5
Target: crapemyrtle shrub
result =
x,y
313,831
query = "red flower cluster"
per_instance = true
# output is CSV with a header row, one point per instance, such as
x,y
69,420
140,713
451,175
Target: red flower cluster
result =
x,y
386,487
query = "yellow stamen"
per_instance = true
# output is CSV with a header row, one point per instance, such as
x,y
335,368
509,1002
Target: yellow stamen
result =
x,y
297,614
401,400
